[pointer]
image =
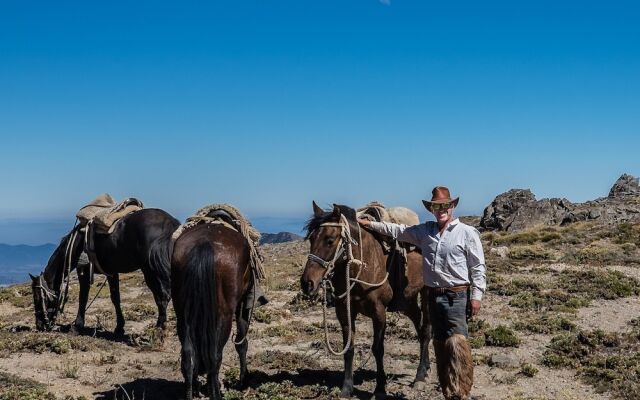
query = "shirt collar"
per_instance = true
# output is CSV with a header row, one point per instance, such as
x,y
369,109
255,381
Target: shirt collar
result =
x,y
453,223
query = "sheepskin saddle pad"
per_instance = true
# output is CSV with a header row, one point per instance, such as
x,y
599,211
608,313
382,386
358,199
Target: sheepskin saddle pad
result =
x,y
231,217
376,211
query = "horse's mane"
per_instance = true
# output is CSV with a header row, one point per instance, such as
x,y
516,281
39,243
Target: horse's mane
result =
x,y
315,221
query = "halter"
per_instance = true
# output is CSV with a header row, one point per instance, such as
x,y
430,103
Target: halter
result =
x,y
344,246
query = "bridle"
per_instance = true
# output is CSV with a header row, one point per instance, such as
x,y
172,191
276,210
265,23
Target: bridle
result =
x,y
343,248
47,295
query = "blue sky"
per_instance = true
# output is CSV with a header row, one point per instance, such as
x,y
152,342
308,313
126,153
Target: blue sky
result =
x,y
270,104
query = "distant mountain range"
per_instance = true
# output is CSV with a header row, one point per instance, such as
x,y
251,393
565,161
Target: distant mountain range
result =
x,y
16,262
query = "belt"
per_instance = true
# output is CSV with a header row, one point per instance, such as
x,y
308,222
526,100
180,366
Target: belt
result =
x,y
439,291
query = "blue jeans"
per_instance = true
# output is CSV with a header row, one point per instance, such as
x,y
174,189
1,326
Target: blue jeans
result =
x,y
448,314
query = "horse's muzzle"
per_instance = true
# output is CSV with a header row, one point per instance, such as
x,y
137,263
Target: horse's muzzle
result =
x,y
308,287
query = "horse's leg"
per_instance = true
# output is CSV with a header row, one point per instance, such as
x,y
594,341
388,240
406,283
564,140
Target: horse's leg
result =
x,y
420,320
187,366
242,325
223,331
347,384
85,284
161,294
379,328
114,291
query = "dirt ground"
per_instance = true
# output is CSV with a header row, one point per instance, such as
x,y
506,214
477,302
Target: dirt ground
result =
x,y
286,344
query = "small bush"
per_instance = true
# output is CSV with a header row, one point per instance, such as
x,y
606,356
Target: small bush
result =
x,y
529,252
501,336
528,370
263,315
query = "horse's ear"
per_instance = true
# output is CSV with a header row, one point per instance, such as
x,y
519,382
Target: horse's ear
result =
x,y
317,211
336,211
33,278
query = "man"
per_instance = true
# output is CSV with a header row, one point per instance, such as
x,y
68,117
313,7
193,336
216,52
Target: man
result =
x,y
453,268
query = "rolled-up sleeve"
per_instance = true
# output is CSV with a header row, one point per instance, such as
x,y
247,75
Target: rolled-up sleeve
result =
x,y
402,233
475,264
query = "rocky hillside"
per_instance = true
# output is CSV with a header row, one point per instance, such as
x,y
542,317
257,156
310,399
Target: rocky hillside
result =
x,y
518,209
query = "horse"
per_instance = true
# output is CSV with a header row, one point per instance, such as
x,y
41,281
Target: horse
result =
x,y
140,240
210,275
361,287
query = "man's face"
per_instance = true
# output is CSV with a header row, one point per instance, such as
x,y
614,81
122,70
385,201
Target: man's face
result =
x,y
442,212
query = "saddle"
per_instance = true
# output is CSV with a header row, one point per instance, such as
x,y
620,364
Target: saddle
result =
x,y
102,216
104,213
397,251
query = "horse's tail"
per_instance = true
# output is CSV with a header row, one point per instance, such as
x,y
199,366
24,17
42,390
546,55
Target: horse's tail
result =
x,y
198,299
160,259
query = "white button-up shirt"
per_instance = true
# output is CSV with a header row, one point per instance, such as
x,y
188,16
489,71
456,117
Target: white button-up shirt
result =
x,y
454,258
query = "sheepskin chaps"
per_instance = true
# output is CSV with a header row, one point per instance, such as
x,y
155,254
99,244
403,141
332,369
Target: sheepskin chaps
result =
x,y
455,367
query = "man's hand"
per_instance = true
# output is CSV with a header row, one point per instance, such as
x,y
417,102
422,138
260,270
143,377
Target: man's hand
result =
x,y
475,307
364,222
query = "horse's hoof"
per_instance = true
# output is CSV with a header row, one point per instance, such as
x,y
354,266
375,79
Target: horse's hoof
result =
x,y
75,330
119,331
159,336
345,394
379,396
419,385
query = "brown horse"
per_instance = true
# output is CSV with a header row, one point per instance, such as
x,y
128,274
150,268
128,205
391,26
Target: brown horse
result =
x,y
341,250
210,274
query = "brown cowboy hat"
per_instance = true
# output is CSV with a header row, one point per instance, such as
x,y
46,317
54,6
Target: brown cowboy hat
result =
x,y
439,195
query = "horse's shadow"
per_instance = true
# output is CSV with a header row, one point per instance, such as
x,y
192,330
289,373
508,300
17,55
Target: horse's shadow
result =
x,y
144,388
131,340
162,389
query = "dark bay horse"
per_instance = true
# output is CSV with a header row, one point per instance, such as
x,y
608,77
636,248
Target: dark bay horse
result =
x,y
341,250
210,274
141,240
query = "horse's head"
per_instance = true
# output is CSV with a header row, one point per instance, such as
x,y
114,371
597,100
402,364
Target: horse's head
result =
x,y
45,303
326,235
47,296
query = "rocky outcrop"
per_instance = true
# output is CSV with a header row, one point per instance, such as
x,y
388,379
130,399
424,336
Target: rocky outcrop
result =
x,y
282,237
626,185
518,209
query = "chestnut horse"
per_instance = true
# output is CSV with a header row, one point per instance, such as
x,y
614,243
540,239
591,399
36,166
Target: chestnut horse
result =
x,y
210,274
140,240
352,261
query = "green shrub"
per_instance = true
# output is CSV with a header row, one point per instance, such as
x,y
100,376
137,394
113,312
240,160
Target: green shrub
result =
x,y
501,336
529,252
528,370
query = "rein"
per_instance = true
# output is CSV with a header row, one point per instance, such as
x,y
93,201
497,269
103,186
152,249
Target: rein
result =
x,y
344,249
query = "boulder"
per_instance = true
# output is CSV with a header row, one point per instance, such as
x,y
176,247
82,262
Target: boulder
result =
x,y
504,361
626,185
